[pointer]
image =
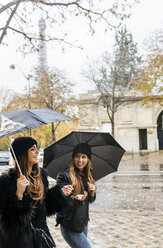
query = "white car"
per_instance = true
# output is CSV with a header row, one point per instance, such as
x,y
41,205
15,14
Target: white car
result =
x,y
41,156
4,157
4,168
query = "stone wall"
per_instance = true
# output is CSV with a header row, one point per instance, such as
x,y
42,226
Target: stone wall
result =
x,y
128,121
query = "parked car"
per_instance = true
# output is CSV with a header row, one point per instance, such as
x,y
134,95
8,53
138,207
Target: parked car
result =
x,y
4,168
4,157
41,155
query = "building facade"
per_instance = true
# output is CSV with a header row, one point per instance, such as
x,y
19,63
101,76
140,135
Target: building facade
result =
x,y
137,127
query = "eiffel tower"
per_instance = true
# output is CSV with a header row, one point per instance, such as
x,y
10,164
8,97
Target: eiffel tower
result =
x,y
42,44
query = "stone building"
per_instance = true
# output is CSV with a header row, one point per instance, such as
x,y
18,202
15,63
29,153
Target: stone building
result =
x,y
137,127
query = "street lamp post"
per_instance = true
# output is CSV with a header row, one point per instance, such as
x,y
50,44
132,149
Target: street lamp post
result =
x,y
13,66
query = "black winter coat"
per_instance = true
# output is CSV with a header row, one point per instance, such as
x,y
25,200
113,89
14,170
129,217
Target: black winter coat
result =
x,y
76,214
16,215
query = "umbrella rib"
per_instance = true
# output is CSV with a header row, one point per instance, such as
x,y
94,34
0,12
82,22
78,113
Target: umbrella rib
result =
x,y
91,138
105,160
76,137
88,140
36,117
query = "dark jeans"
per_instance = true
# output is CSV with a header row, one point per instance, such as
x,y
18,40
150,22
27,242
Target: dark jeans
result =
x,y
74,239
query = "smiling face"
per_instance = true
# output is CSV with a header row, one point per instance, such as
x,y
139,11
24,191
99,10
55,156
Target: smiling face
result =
x,y
33,156
80,161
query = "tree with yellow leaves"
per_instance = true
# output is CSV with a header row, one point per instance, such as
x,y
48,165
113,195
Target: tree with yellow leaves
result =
x,y
51,90
150,81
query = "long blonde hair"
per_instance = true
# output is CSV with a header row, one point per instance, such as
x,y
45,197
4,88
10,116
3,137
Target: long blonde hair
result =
x,y
76,177
36,188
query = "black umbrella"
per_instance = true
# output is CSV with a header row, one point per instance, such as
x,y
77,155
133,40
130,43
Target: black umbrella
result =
x,y
106,153
17,121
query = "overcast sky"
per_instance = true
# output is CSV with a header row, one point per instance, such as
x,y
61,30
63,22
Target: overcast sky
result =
x,y
147,17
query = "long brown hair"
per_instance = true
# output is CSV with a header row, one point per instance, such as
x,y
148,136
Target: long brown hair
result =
x,y
36,189
76,177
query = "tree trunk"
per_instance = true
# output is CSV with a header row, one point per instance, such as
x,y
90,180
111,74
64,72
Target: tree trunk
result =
x,y
112,130
53,133
112,125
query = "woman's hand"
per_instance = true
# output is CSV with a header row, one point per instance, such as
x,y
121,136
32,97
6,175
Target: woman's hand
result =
x,y
22,183
67,190
81,197
91,188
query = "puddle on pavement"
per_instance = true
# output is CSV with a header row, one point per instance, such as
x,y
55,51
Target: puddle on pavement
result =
x,y
130,188
144,167
161,167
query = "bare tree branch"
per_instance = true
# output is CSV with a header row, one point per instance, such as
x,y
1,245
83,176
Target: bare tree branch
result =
x,y
64,10
9,20
7,6
30,38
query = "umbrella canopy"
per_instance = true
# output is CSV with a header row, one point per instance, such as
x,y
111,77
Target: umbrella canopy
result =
x,y
13,122
106,153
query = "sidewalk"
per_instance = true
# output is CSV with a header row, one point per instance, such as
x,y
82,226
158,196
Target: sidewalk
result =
x,y
113,229
152,158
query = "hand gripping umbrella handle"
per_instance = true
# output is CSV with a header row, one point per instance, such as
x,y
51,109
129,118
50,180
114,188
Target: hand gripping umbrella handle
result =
x,y
15,157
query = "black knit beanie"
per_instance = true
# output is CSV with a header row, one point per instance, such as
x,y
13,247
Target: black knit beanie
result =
x,y
82,148
21,144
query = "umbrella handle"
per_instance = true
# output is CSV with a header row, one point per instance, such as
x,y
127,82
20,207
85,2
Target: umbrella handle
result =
x,y
15,156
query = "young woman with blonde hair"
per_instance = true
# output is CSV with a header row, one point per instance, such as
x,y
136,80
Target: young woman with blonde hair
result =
x,y
78,184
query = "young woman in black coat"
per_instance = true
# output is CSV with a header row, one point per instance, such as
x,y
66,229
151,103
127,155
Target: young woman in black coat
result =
x,y
26,199
78,184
